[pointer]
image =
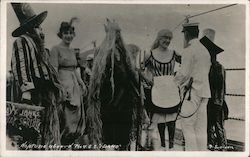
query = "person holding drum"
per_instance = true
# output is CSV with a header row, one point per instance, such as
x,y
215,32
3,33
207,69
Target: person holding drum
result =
x,y
161,63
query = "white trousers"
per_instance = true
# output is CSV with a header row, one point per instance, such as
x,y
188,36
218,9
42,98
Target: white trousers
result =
x,y
195,127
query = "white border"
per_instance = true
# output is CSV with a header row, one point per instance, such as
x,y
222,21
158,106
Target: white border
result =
x,y
4,152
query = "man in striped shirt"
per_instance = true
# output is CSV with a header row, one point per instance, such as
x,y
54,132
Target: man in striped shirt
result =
x,y
35,78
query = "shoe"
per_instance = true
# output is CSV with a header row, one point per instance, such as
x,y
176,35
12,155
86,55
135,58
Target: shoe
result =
x,y
162,148
171,149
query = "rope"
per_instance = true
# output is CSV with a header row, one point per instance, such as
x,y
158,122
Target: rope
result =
x,y
211,11
235,69
189,17
178,25
234,118
242,95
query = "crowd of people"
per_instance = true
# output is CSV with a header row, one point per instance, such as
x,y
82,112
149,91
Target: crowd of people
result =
x,y
49,78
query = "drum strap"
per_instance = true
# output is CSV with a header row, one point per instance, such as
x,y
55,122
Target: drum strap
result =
x,y
188,89
190,114
189,97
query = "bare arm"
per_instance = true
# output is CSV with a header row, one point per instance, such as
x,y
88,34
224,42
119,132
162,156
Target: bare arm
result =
x,y
54,58
81,83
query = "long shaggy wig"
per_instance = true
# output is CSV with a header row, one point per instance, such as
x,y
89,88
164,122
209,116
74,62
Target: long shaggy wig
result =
x,y
110,45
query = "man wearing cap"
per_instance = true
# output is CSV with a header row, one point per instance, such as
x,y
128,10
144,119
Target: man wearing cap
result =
x,y
35,77
195,64
216,109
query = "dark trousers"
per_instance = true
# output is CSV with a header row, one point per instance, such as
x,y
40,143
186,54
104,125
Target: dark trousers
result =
x,y
171,132
215,129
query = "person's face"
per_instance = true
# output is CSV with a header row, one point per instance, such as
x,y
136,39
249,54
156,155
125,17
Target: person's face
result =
x,y
164,42
90,63
68,36
37,33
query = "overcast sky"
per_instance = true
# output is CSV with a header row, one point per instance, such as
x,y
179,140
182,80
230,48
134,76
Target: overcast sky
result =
x,y
140,24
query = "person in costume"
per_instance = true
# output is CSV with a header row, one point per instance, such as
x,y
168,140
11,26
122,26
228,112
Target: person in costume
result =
x,y
64,60
216,109
161,62
35,79
88,70
195,65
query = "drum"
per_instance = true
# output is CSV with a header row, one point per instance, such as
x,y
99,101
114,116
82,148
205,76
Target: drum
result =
x,y
165,95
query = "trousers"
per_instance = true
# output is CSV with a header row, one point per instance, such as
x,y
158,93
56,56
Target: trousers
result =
x,y
195,127
216,132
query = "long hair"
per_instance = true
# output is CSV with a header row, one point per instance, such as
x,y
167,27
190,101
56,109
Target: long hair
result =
x,y
160,34
108,47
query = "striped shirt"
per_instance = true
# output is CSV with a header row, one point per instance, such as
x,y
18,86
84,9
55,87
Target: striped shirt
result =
x,y
159,68
27,63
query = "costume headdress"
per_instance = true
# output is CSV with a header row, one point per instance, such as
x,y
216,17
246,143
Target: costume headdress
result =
x,y
207,41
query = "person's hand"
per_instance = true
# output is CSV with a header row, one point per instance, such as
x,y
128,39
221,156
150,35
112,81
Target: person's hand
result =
x,y
26,97
147,119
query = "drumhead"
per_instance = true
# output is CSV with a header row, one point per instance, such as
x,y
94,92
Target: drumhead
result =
x,y
165,93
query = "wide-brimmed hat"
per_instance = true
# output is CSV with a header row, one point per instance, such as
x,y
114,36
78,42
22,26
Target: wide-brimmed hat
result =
x,y
26,17
207,41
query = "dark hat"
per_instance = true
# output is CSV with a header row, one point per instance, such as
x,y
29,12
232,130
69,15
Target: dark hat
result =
x,y
190,26
212,48
65,26
26,17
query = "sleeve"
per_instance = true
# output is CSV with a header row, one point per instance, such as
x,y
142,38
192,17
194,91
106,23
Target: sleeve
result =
x,y
147,59
223,90
177,57
20,64
220,84
54,58
183,75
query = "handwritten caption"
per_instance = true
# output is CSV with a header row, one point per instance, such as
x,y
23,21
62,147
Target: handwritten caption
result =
x,y
26,146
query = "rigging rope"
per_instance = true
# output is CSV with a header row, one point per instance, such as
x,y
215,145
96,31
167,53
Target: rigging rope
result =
x,y
235,69
234,118
235,95
211,10
202,13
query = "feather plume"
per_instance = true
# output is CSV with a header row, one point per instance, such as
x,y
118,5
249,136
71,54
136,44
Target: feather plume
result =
x,y
73,19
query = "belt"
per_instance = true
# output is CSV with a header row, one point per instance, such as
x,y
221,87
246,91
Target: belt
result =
x,y
67,68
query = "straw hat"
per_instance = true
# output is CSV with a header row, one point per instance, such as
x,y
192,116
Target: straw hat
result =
x,y
26,17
